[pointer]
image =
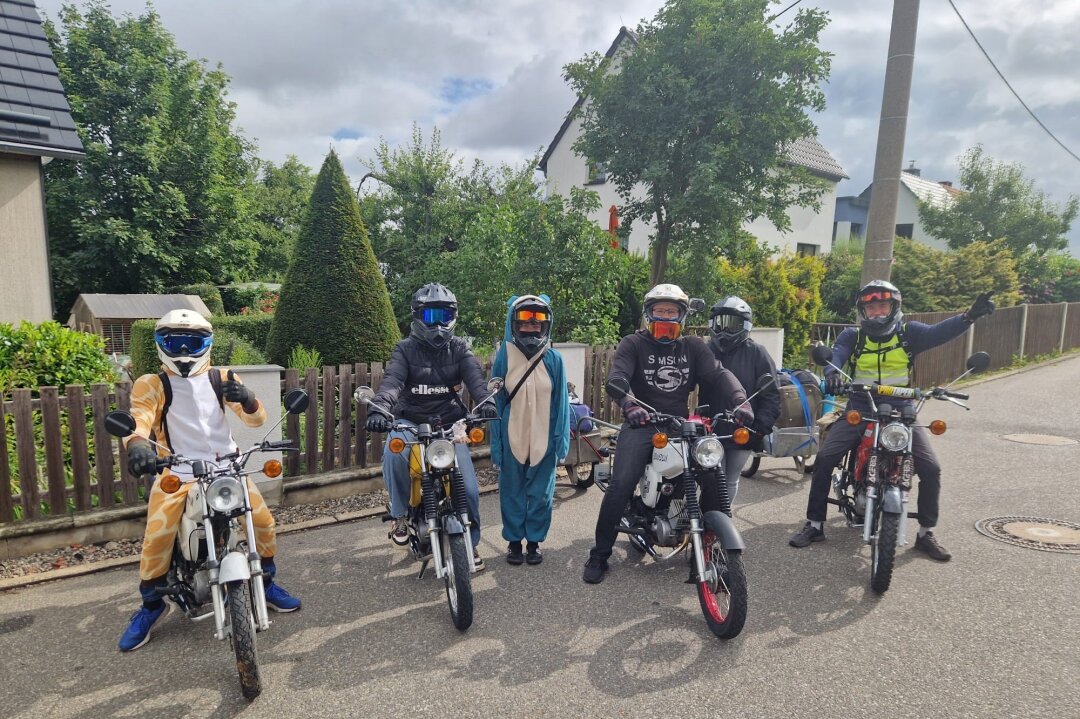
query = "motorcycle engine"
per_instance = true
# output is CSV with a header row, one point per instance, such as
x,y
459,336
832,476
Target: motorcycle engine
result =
x,y
860,502
664,533
200,586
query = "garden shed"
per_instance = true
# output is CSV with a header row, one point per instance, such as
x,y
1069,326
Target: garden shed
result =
x,y
111,316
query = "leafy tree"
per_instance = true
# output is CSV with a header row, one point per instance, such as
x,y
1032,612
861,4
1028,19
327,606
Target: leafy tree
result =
x,y
699,113
333,299
160,198
843,271
279,199
999,203
935,281
1050,277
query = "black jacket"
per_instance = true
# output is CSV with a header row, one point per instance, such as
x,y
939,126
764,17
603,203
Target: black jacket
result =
x,y
421,382
663,375
748,361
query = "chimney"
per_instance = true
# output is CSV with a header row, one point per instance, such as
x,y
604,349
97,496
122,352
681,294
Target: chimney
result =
x,y
912,170
945,183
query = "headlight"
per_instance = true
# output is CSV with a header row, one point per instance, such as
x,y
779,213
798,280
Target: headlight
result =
x,y
894,437
708,452
440,454
225,494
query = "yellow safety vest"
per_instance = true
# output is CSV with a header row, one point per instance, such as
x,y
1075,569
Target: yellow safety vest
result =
x,y
883,362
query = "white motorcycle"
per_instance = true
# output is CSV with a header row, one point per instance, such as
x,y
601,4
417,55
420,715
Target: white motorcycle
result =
x,y
219,567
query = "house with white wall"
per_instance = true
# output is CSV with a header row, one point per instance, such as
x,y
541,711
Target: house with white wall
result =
x,y
852,210
811,230
35,128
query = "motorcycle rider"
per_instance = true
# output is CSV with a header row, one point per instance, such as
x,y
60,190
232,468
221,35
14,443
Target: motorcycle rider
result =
x,y
882,350
183,408
421,382
534,406
730,322
662,367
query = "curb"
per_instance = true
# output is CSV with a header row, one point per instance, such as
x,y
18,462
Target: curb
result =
x,y
114,562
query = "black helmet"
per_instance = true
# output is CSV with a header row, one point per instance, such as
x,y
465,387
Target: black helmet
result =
x,y
730,322
434,311
879,291
530,308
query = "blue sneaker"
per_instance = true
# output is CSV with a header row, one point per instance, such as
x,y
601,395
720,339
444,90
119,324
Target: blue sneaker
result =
x,y
279,600
142,621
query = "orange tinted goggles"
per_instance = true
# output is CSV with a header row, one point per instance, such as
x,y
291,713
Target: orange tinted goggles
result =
x,y
666,330
531,316
876,296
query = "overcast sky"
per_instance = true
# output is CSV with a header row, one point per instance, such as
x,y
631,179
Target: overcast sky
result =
x,y
308,75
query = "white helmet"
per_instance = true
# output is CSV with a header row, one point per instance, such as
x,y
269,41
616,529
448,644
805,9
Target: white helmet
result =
x,y
666,330
183,339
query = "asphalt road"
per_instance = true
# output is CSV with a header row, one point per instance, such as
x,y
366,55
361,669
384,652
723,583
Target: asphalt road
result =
x,y
993,633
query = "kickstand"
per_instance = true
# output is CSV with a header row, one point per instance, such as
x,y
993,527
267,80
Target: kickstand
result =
x,y
423,568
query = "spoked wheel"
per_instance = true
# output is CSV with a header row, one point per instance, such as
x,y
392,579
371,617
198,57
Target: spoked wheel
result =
x,y
751,468
584,482
883,551
458,580
242,629
722,598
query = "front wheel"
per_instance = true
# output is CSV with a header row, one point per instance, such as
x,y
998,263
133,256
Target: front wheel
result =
x,y
458,580
752,468
723,598
242,629
883,552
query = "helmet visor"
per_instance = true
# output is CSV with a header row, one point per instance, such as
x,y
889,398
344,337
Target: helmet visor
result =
x,y
437,315
727,323
877,295
531,316
192,344
666,330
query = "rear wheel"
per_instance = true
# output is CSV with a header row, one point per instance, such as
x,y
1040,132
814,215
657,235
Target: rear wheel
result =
x,y
722,598
242,629
458,580
751,468
883,552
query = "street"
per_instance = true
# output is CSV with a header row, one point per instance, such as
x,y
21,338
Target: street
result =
x,y
992,633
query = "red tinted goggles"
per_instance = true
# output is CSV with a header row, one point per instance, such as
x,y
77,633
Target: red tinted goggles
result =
x,y
877,296
531,316
666,330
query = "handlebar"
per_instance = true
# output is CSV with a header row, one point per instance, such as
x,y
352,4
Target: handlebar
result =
x,y
884,390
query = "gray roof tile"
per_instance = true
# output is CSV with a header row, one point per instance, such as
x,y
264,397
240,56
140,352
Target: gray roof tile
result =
x,y
30,84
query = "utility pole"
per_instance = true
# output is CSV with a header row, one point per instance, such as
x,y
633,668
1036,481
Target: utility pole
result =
x,y
888,161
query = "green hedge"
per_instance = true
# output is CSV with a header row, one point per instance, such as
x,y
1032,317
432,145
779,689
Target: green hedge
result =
x,y
252,330
209,294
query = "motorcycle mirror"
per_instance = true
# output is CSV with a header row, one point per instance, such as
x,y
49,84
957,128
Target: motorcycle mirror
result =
x,y
978,362
495,384
821,355
296,401
119,423
696,305
364,394
617,388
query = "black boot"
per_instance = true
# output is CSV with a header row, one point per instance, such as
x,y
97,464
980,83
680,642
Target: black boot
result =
x,y
514,555
533,555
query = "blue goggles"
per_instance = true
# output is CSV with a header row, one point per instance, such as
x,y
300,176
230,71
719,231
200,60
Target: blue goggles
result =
x,y
184,343
437,315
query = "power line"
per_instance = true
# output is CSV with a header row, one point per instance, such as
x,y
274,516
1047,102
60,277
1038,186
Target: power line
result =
x,y
1015,94
784,10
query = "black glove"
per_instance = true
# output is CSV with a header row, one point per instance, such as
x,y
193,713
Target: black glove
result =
x,y
743,415
759,429
834,383
982,307
379,420
636,416
487,411
233,391
141,458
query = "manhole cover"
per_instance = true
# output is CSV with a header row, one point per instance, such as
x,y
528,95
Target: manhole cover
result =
x,y
1049,440
1049,535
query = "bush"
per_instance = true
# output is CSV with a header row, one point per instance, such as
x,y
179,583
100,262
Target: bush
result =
x,y
248,300
334,299
253,328
49,354
207,292
303,359
231,349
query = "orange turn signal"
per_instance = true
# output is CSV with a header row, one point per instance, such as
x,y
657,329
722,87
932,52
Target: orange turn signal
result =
x,y
659,440
396,445
272,468
853,417
938,426
476,435
169,483
741,435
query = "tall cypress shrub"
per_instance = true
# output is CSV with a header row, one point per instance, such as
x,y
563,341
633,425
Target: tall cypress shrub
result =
x,y
333,299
